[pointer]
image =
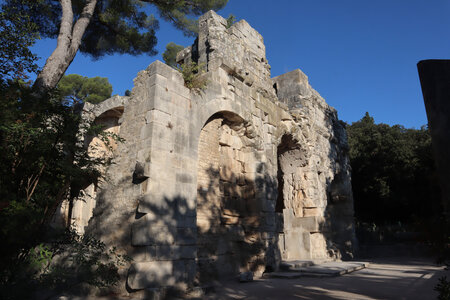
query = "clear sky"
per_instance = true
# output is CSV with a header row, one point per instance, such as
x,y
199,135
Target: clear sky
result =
x,y
359,55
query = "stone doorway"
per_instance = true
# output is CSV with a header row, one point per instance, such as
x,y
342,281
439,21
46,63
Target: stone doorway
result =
x,y
228,220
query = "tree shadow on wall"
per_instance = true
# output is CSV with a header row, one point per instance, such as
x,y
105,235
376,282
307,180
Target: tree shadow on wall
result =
x,y
236,226
230,231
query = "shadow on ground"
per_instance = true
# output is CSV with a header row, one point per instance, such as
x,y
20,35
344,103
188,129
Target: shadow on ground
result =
x,y
394,278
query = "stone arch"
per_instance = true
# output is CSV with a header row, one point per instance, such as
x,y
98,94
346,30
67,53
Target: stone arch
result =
x,y
105,106
227,211
82,207
109,122
222,106
290,157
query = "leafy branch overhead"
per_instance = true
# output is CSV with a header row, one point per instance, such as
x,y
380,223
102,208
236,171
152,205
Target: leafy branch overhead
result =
x,y
103,27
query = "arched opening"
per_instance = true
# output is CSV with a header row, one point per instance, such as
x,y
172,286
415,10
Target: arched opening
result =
x,y
228,216
102,145
290,161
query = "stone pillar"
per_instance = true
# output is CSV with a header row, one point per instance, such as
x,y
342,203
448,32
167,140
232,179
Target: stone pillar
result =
x,y
435,81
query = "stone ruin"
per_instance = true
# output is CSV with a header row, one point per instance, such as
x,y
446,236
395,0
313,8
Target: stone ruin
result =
x,y
234,178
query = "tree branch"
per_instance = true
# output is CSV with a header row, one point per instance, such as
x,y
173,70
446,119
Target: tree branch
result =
x,y
48,78
80,26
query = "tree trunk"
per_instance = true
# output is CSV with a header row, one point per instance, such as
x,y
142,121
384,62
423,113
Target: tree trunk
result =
x,y
68,43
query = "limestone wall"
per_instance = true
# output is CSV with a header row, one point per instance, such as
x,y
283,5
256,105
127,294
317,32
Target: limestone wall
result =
x,y
232,179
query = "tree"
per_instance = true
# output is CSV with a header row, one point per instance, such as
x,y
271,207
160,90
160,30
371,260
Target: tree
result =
x,y
76,89
231,20
170,55
17,34
392,172
101,27
42,163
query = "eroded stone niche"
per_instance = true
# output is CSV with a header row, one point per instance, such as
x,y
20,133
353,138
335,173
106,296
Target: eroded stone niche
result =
x,y
228,216
297,203
99,146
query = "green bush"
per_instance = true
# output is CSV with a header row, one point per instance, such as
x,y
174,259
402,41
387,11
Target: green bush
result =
x,y
192,76
66,264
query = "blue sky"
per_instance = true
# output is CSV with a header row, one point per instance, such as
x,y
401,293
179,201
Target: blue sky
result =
x,y
359,55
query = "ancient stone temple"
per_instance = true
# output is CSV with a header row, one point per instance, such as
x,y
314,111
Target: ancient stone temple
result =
x,y
241,175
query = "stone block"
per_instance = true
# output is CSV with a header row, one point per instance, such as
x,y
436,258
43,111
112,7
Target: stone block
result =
x,y
186,236
158,116
154,204
157,79
318,246
174,252
144,253
146,131
310,224
144,234
150,274
312,211
180,90
297,245
160,68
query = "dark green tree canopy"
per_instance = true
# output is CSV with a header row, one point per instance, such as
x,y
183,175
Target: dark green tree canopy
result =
x,y
170,55
392,172
17,34
76,88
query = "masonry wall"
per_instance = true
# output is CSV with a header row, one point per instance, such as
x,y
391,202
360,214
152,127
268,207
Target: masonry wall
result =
x,y
195,166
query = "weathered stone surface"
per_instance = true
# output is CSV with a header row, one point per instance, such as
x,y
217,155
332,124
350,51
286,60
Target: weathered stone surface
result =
x,y
230,180
150,274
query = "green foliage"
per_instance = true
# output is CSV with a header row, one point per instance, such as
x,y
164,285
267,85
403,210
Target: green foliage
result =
x,y
43,162
443,287
17,34
178,12
170,55
62,265
76,88
192,76
231,20
117,26
392,172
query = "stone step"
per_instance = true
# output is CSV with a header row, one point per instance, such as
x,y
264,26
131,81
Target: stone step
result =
x,y
326,269
293,264
283,275
332,268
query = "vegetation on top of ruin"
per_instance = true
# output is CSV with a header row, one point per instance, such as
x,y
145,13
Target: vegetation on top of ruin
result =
x,y
231,20
192,76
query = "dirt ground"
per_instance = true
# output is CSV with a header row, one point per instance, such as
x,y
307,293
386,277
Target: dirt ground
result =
x,y
393,278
